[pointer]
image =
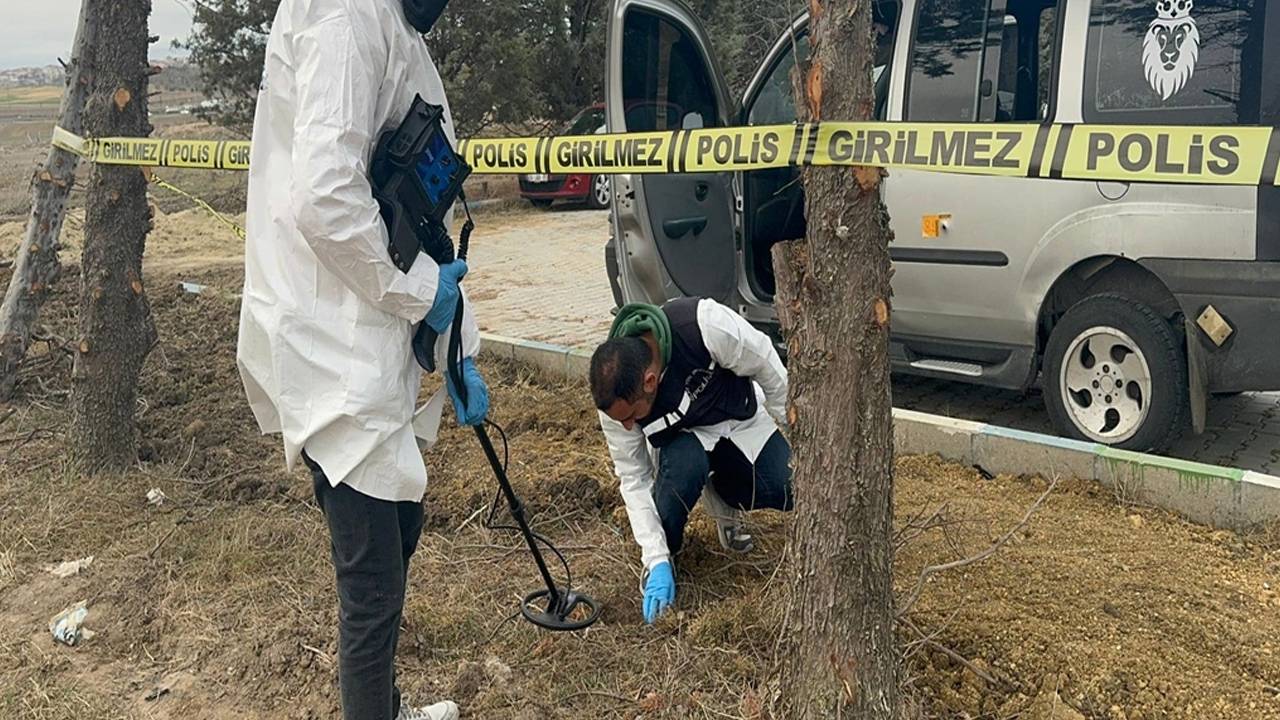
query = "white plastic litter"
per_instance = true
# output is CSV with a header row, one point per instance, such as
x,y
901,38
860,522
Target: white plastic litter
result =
x,y
155,496
70,567
67,626
192,288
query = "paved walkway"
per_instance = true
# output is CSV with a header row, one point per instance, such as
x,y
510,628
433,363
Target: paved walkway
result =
x,y
540,276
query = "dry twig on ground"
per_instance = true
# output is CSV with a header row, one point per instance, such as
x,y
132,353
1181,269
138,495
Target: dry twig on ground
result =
x,y
931,570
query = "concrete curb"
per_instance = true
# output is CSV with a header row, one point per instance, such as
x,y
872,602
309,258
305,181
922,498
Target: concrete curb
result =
x,y
1208,494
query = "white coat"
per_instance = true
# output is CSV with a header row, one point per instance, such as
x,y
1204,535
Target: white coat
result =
x,y
326,318
739,348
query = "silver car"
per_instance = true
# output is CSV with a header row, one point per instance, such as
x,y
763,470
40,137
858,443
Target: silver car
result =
x,y
1128,304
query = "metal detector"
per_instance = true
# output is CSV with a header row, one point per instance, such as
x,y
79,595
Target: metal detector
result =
x,y
416,177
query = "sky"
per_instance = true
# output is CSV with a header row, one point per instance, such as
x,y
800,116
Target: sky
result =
x,y
38,32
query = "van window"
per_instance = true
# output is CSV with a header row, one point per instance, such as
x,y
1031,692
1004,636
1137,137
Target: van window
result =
x,y
946,60
1047,43
587,122
966,51
665,83
774,102
1173,62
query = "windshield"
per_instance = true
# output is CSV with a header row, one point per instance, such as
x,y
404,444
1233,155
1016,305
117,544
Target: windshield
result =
x,y
587,122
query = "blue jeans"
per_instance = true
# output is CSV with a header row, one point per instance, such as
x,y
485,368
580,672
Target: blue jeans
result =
x,y
684,468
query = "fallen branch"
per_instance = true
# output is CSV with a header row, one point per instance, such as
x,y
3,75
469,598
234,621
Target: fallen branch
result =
x,y
919,524
161,541
928,640
318,653
992,549
40,432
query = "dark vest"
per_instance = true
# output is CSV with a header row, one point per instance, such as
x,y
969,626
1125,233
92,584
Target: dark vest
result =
x,y
694,391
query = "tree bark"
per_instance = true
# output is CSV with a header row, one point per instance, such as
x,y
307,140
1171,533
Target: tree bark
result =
x,y
833,303
36,265
116,329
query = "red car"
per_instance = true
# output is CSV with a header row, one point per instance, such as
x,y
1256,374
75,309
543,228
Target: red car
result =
x,y
542,190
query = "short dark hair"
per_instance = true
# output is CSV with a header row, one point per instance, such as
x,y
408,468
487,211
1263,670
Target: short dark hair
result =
x,y
617,370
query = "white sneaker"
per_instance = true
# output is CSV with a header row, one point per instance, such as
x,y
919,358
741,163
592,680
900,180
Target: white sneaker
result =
x,y
728,519
446,710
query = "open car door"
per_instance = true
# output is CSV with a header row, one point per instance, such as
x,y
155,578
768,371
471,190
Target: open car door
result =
x,y
675,233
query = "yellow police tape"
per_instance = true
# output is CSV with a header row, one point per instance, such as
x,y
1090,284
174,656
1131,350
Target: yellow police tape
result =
x,y
1202,155
154,152
199,202
1222,155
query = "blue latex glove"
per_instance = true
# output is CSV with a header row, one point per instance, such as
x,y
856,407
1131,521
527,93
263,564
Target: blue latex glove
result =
x,y
477,405
659,591
447,293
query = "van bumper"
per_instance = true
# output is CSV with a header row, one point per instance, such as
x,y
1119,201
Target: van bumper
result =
x,y
1247,295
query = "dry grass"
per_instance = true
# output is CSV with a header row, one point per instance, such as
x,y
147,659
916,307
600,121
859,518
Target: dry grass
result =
x,y
44,95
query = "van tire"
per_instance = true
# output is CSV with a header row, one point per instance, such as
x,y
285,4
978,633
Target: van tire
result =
x,y
1114,321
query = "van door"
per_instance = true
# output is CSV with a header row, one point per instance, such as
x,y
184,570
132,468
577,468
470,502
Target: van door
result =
x,y
961,243
773,199
675,232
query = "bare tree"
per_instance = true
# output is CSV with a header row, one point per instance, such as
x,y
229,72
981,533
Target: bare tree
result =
x,y
116,329
36,265
833,302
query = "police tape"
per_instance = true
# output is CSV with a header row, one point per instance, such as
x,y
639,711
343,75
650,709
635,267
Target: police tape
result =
x,y
157,152
1201,155
198,202
1218,155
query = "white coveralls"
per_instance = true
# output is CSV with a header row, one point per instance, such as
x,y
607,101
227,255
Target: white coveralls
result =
x,y
326,320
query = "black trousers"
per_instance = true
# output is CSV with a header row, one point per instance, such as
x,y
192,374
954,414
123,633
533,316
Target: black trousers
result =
x,y
371,542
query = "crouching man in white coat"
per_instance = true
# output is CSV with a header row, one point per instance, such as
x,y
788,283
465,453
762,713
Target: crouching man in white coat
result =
x,y
696,382
326,321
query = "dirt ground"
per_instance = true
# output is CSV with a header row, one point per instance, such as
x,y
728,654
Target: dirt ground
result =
x,y
219,603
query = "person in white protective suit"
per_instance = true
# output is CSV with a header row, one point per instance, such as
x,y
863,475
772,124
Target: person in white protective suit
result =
x,y
326,319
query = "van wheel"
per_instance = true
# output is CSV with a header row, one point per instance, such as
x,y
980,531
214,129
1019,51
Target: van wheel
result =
x,y
1115,373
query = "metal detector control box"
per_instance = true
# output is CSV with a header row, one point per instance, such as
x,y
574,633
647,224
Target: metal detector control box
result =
x,y
416,177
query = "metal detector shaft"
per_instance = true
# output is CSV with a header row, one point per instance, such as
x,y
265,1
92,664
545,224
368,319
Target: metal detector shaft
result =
x,y
565,610
517,508
517,512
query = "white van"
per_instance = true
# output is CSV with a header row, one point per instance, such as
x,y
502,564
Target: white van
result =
x,y
1128,304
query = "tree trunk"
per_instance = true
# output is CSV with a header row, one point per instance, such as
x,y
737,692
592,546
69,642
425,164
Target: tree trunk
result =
x,y
116,329
36,265
833,303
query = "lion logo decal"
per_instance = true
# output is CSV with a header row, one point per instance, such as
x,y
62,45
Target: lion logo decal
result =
x,y
1171,47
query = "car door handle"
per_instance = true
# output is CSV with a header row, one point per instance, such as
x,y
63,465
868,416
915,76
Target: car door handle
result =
x,y
676,228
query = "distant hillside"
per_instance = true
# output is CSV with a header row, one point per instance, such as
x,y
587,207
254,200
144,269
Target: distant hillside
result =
x,y
178,76
31,77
